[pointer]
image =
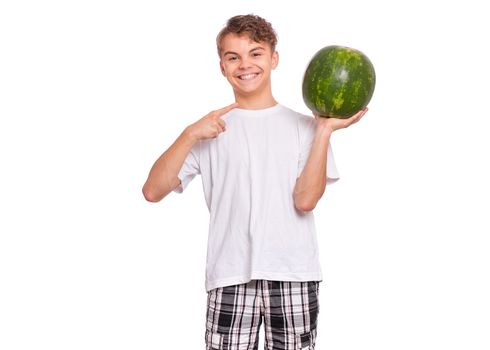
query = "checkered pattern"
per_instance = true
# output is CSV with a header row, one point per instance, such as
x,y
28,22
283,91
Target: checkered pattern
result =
x,y
289,311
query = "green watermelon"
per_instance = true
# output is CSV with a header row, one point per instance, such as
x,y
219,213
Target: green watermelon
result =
x,y
338,82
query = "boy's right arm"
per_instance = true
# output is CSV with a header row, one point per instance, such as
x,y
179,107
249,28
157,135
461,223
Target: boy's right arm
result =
x,y
163,176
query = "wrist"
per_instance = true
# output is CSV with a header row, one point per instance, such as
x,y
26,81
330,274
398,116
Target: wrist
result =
x,y
324,130
190,134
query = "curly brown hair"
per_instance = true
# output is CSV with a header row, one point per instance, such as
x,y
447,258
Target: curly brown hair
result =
x,y
257,28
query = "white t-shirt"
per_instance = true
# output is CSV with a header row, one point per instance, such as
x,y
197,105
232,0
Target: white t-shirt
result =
x,y
248,176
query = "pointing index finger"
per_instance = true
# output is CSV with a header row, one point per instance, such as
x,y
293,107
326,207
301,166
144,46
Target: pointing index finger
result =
x,y
226,109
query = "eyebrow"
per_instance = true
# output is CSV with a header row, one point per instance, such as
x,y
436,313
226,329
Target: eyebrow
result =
x,y
234,53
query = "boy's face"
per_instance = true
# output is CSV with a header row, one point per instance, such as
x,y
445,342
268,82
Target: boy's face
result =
x,y
247,64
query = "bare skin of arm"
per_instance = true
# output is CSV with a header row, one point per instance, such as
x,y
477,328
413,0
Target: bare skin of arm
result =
x,y
163,176
310,185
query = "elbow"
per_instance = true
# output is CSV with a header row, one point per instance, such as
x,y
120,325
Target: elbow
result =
x,y
307,201
156,192
150,195
306,197
305,205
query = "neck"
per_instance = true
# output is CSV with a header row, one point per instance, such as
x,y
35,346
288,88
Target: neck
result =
x,y
255,102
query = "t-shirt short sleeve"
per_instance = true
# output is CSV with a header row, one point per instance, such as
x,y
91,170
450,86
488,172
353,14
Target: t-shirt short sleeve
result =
x,y
307,127
189,169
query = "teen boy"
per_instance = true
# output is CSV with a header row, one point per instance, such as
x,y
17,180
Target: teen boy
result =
x,y
263,167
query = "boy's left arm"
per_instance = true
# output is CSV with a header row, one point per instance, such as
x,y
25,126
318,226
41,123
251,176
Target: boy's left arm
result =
x,y
311,184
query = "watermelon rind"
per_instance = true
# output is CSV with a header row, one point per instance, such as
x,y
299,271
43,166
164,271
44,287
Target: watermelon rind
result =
x,y
338,82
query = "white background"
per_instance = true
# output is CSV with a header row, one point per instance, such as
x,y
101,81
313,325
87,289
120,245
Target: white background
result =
x,y
92,92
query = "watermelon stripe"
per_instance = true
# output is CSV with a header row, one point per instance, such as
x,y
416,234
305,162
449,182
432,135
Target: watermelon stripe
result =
x,y
338,82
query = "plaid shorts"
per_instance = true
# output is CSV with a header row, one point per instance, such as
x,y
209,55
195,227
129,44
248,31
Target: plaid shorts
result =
x,y
289,311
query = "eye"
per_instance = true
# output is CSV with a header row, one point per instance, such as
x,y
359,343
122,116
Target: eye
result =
x,y
232,58
257,54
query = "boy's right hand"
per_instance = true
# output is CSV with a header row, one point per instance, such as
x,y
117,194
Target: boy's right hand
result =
x,y
211,125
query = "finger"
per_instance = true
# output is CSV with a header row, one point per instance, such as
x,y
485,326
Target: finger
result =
x,y
356,117
360,113
363,112
226,109
215,131
221,123
217,128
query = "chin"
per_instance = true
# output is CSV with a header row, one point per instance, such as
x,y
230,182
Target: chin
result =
x,y
249,90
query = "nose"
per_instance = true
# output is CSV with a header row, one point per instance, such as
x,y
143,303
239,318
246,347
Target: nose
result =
x,y
245,62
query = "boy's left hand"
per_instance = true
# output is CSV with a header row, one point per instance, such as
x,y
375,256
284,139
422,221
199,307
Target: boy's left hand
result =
x,y
333,124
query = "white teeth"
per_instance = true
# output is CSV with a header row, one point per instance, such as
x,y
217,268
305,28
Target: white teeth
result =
x,y
248,76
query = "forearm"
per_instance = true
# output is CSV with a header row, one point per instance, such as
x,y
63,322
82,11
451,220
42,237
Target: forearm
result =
x,y
312,181
163,176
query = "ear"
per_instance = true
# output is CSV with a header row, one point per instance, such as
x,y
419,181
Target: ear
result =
x,y
222,68
275,59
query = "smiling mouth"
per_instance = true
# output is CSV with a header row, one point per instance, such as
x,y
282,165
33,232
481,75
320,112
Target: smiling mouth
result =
x,y
248,76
